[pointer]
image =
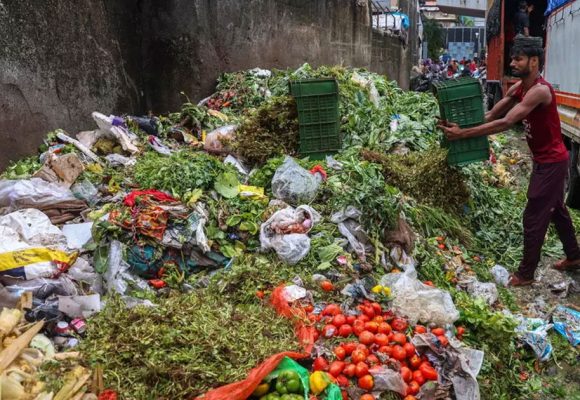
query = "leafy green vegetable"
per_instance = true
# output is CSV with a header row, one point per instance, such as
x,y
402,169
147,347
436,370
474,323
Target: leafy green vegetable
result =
x,y
227,185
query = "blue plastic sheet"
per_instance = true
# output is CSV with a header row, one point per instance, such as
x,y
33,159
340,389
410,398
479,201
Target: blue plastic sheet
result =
x,y
567,323
554,4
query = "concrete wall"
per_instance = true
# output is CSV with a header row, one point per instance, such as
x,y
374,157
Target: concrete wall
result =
x,y
62,59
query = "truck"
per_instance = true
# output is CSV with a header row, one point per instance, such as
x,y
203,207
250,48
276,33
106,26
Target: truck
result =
x,y
558,23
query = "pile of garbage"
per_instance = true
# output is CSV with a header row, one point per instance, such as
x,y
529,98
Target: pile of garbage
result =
x,y
195,254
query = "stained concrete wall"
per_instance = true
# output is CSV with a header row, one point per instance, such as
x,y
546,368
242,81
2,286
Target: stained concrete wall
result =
x,y
62,59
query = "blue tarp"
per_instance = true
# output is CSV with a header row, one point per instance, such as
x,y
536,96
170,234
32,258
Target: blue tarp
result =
x,y
554,4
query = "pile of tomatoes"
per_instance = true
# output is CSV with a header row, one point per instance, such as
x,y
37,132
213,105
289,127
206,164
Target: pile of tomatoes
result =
x,y
221,100
378,338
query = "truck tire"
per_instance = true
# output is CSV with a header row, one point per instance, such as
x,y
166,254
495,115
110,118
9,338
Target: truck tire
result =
x,y
573,196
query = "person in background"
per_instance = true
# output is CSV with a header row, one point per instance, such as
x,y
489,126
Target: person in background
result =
x,y
522,18
445,57
472,66
450,71
532,100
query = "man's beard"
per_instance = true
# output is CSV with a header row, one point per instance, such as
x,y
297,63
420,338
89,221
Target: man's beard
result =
x,y
522,74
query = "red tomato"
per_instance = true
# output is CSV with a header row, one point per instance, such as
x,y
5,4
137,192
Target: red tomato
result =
x,y
381,339
349,347
327,286
420,329
349,370
443,339
340,352
406,374
309,308
344,395
350,319
399,338
364,348
336,368
320,364
366,382
339,320
388,350
316,335
364,318
345,330
108,395
410,349
429,283
418,377
366,337
377,307
438,331
260,294
384,327
369,311
460,331
342,381
329,331
413,388
373,360
361,369
399,353
331,309
429,373
399,324
409,397
415,362
358,327
367,396
378,319
358,356
372,326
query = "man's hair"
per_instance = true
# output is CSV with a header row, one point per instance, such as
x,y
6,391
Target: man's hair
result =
x,y
530,47
522,5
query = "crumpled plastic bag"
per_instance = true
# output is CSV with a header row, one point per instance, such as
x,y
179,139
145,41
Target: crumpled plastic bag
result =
x,y
455,363
501,275
387,379
369,84
215,141
114,127
286,232
417,301
31,247
349,227
294,184
534,332
567,323
485,290
117,276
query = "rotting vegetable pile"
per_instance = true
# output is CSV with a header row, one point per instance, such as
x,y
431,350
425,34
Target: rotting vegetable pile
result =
x,y
174,254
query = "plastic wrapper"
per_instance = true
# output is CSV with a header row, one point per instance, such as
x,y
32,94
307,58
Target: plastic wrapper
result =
x,y
352,230
417,301
456,364
294,184
117,160
501,275
117,276
387,379
216,141
534,332
83,272
79,306
567,323
31,247
286,233
41,288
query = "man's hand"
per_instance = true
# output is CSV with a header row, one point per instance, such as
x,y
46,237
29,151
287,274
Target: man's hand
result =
x,y
452,130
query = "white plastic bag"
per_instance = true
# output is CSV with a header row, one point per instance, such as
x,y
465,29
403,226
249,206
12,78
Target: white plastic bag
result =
x,y
417,301
294,184
387,379
501,275
277,232
485,290
32,193
31,247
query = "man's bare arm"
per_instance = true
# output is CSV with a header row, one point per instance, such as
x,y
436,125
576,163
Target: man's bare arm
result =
x,y
503,106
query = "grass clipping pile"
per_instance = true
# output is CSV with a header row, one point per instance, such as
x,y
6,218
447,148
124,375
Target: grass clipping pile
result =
x,y
184,343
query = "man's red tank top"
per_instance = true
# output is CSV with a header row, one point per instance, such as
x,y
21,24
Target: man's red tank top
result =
x,y
542,129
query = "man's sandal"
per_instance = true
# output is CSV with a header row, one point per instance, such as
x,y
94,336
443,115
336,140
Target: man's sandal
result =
x,y
515,281
567,265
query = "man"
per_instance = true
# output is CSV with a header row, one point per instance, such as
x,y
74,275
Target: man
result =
x,y
522,19
472,66
532,101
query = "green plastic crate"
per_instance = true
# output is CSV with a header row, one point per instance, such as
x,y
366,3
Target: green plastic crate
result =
x,y
461,101
318,116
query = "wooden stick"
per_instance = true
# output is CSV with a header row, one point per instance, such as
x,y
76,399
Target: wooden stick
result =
x,y
10,353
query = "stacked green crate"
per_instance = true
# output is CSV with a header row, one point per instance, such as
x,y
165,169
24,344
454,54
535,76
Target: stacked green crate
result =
x,y
461,102
318,116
